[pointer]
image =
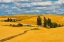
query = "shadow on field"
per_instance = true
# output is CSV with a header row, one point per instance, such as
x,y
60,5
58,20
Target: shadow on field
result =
x,y
11,37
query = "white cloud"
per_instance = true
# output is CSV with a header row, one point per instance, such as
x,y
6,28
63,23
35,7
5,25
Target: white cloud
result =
x,y
27,11
13,1
28,0
21,0
14,7
35,5
59,2
35,0
5,1
35,10
4,6
41,3
19,5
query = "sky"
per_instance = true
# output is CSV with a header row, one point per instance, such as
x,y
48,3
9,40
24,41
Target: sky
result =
x,y
12,7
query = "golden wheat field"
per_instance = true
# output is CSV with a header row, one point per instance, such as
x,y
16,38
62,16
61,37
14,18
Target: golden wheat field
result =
x,y
25,34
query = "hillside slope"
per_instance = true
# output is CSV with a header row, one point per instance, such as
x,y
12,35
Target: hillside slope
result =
x,y
41,35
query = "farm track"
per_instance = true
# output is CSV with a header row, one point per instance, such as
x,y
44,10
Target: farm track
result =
x,y
11,37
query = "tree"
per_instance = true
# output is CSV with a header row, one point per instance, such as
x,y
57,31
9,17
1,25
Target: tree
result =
x,y
62,25
52,25
45,22
49,22
20,25
39,22
8,20
14,20
59,25
55,25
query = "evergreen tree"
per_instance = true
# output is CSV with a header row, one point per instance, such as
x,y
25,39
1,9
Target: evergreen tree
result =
x,y
8,20
45,22
39,23
49,22
51,25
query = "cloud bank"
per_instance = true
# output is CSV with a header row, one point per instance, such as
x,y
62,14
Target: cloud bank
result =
x,y
31,6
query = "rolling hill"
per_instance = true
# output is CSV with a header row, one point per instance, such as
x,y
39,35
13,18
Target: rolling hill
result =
x,y
41,35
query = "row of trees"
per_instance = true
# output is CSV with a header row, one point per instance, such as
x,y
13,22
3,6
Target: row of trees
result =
x,y
18,25
47,23
10,20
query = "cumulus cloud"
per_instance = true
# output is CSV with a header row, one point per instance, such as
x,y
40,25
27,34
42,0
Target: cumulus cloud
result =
x,y
5,1
21,0
59,2
4,6
12,1
40,4
23,5
34,6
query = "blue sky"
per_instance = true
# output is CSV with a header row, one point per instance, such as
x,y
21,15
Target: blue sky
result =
x,y
12,7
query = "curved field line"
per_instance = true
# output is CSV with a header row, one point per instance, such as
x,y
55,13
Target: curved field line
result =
x,y
11,37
